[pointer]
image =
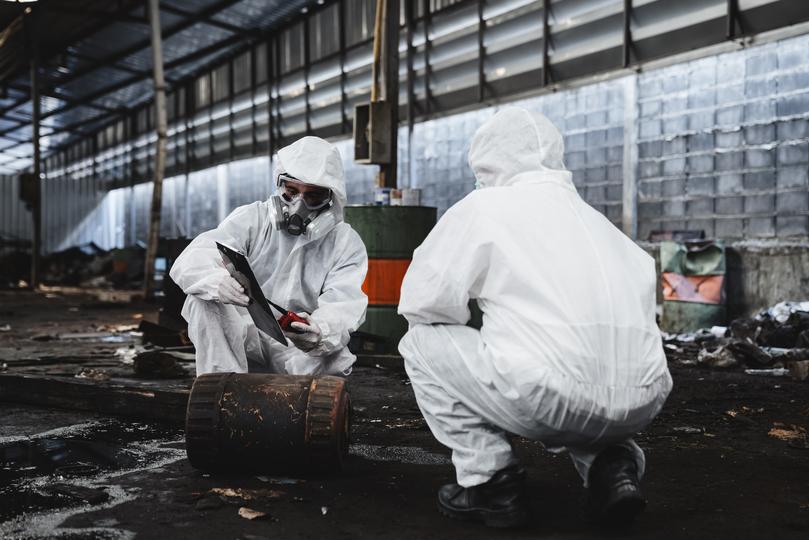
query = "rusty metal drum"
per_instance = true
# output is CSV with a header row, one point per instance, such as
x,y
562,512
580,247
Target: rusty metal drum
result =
x,y
256,422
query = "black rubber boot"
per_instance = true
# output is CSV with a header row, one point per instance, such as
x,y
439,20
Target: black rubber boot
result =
x,y
614,498
500,502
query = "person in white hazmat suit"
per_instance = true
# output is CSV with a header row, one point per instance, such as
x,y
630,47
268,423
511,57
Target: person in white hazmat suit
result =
x,y
304,256
569,352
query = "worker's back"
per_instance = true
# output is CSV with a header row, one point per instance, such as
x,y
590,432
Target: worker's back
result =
x,y
567,299
563,286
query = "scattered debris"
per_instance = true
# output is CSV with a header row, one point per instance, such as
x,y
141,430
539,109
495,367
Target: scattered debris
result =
x,y
280,481
793,435
799,370
92,374
774,372
688,430
324,510
773,343
249,513
161,364
721,357
5,328
247,494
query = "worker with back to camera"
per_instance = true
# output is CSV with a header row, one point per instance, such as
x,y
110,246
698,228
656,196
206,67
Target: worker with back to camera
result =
x,y
304,257
569,352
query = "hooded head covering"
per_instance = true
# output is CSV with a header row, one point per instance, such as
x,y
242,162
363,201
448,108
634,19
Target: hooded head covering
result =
x,y
515,141
315,161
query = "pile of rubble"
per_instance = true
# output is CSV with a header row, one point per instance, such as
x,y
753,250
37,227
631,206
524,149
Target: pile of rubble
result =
x,y
774,342
86,265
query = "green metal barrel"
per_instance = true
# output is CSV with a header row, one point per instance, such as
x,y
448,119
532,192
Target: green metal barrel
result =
x,y
391,234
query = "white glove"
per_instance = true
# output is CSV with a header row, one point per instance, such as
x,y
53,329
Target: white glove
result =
x,y
306,336
231,292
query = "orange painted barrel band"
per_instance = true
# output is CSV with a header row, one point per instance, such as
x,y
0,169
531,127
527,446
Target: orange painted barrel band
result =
x,y
704,289
383,282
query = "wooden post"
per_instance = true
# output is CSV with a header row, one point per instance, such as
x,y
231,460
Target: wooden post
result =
x,y
160,152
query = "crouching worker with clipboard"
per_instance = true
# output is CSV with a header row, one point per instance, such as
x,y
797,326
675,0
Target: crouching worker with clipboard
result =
x,y
293,251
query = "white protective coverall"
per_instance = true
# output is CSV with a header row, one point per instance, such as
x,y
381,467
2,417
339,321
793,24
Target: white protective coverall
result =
x,y
569,352
321,274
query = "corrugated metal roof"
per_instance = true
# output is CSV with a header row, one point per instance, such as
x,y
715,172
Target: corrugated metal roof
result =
x,y
89,46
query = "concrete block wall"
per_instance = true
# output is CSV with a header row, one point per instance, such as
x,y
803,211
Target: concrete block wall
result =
x,y
590,118
723,144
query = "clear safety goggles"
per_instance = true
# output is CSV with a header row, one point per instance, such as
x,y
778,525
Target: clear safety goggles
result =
x,y
313,199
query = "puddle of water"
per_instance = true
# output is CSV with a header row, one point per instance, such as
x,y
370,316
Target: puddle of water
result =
x,y
401,454
86,451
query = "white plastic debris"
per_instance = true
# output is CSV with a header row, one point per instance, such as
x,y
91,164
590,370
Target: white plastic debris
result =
x,y
719,331
782,310
773,372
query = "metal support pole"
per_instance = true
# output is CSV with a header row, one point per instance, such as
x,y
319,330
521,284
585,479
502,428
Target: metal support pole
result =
x,y
427,96
160,152
306,56
411,94
481,54
627,41
546,38
231,132
629,209
278,71
732,18
36,209
345,127
254,136
390,71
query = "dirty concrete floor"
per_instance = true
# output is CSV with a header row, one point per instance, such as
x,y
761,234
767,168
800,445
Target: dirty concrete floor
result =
x,y
713,471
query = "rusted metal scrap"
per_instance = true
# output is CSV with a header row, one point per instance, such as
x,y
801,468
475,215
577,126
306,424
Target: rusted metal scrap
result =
x,y
267,423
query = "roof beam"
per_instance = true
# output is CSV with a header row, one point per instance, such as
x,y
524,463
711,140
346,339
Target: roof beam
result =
x,y
208,20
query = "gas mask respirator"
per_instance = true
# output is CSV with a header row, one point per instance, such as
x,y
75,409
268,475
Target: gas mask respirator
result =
x,y
296,213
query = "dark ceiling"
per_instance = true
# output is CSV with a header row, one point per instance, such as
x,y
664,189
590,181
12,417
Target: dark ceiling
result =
x,y
96,58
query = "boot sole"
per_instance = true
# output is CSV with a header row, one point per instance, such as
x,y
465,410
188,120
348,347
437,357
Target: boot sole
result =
x,y
497,520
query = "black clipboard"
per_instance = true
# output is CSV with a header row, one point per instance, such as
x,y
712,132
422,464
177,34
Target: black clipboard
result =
x,y
259,309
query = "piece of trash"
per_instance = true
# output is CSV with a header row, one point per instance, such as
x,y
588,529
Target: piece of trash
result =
x,y
5,328
324,510
718,331
793,435
249,513
247,494
687,429
721,357
773,372
799,370
280,481
160,364
73,309
92,374
3,366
